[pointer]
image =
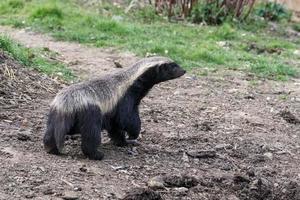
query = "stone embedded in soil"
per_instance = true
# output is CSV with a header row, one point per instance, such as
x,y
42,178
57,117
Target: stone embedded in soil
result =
x,y
269,155
181,190
70,195
223,146
205,126
156,182
251,97
83,168
202,154
48,191
23,137
185,157
239,178
30,195
142,194
180,181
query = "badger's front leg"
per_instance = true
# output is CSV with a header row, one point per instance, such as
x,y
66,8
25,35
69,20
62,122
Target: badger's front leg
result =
x,y
133,126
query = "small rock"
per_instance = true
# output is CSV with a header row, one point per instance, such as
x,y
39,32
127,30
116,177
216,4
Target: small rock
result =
x,y
48,191
258,158
156,182
29,195
238,178
121,167
41,168
180,181
117,64
185,157
251,97
223,146
23,137
83,168
70,195
77,189
269,155
181,189
206,126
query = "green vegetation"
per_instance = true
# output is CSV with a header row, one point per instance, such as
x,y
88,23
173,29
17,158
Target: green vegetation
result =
x,y
34,58
143,32
296,27
273,11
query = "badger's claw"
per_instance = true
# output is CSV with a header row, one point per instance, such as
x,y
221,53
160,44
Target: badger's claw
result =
x,y
133,142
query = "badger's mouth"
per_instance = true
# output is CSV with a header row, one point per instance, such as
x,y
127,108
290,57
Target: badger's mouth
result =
x,y
179,72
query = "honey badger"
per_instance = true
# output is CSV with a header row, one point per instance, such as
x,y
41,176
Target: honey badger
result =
x,y
108,103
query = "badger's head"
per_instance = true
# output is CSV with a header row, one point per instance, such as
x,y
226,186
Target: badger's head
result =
x,y
162,69
168,71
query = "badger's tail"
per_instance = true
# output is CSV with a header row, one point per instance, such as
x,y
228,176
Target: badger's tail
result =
x,y
58,125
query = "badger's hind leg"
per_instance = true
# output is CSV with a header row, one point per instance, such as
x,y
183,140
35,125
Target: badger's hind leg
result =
x,y
58,125
90,120
49,140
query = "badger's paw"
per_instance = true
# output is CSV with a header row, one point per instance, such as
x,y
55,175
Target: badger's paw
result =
x,y
96,156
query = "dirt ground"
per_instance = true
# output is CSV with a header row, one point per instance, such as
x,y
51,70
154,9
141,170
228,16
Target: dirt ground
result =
x,y
222,136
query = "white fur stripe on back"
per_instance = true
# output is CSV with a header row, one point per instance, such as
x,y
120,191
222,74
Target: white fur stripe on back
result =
x,y
104,92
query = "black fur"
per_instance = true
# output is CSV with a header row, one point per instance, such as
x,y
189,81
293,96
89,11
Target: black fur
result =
x,y
124,118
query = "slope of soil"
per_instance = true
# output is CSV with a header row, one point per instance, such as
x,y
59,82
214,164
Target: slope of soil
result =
x,y
86,62
223,136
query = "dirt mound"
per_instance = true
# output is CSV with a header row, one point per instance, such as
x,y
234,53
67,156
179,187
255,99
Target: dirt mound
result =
x,y
21,86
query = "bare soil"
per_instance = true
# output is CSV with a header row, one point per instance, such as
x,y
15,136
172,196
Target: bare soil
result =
x,y
222,136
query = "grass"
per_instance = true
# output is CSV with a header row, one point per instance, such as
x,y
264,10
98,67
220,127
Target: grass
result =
x,y
143,32
35,58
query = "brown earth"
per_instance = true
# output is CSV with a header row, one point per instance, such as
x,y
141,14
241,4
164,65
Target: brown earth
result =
x,y
222,136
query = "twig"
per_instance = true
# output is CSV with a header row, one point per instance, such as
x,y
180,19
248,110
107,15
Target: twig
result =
x,y
67,182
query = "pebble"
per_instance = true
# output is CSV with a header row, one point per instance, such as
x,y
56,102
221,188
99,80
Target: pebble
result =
x,y
181,189
70,195
24,136
185,157
156,183
238,178
269,155
223,146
